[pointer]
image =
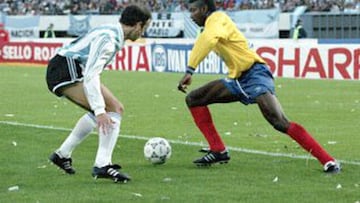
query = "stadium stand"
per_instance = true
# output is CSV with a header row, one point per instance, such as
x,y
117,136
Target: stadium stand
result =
x,y
81,7
322,18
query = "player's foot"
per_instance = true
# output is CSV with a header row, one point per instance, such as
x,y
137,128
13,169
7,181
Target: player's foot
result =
x,y
204,150
110,172
212,158
63,163
332,167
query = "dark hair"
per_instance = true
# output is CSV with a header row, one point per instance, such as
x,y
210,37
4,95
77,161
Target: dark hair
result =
x,y
134,14
210,4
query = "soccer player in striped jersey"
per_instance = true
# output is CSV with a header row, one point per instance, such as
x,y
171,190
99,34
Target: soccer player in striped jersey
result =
x,y
249,81
74,73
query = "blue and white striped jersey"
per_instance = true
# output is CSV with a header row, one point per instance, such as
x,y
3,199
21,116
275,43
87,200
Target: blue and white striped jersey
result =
x,y
95,50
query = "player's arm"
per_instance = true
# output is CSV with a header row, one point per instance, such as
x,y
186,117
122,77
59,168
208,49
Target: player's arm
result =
x,y
185,80
214,30
101,51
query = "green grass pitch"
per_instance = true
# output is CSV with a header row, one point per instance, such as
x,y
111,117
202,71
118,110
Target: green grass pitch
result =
x,y
265,166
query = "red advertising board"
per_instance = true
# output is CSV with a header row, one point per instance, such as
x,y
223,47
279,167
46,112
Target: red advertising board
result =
x,y
28,52
286,58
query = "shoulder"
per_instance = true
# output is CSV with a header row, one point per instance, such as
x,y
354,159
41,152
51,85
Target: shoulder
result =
x,y
112,32
218,16
108,30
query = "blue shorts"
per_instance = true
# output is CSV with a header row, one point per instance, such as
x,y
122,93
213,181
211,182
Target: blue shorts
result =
x,y
252,83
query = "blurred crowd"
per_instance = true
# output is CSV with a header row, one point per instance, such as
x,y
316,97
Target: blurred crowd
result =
x,y
80,7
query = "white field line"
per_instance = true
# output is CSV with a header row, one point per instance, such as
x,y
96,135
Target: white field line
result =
x,y
238,149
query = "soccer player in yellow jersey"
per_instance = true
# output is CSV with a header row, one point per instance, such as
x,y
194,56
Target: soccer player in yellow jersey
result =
x,y
249,81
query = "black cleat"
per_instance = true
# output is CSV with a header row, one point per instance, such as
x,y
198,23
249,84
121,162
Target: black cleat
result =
x,y
63,163
332,167
110,172
212,158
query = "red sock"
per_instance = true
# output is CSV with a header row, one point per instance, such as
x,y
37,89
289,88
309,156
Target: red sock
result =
x,y
203,120
301,136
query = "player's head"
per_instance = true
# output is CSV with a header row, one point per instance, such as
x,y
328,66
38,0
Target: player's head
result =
x,y
200,10
138,18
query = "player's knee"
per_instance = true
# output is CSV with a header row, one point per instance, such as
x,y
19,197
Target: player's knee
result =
x,y
116,107
280,125
194,99
120,109
188,99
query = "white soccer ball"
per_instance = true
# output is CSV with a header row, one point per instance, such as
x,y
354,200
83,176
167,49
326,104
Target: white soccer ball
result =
x,y
157,150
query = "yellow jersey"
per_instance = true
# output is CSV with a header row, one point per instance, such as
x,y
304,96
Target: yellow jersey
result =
x,y
221,35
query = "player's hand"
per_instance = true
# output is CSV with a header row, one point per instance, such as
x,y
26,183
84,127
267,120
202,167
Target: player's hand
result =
x,y
104,123
184,83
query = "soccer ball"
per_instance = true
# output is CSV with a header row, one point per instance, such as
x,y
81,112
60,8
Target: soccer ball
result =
x,y
157,150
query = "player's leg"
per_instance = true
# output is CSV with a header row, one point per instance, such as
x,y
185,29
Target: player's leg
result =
x,y
85,124
210,93
63,75
107,141
83,127
197,101
272,111
103,166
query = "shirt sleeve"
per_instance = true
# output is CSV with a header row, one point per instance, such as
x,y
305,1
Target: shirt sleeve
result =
x,y
213,31
102,50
